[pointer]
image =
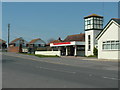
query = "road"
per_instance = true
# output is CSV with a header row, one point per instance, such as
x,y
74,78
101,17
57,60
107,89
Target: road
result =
x,y
18,72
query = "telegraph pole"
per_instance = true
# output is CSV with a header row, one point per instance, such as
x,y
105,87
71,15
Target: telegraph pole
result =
x,y
8,34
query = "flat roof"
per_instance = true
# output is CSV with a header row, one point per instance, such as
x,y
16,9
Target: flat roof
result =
x,y
67,43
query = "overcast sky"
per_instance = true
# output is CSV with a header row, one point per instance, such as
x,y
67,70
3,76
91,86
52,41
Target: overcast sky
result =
x,y
48,20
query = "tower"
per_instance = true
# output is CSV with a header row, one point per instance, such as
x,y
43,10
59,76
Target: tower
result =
x,y
93,25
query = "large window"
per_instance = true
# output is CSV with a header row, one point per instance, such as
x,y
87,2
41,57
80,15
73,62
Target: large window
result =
x,y
94,23
89,43
98,23
89,23
80,48
111,45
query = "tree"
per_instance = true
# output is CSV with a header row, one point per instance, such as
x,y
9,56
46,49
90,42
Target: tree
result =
x,y
95,51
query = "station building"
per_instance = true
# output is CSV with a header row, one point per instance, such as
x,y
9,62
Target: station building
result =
x,y
82,44
72,45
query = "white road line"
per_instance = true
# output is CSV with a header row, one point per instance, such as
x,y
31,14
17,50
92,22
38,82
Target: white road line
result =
x,y
57,70
110,78
61,70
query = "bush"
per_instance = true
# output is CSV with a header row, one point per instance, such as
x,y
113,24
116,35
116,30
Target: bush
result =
x,y
95,51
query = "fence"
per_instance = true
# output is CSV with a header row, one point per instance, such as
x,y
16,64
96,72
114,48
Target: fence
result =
x,y
48,53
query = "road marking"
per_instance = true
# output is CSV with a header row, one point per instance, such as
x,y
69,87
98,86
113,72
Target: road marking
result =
x,y
57,70
111,78
58,63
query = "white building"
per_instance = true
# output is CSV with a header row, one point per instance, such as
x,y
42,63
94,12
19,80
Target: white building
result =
x,y
109,40
93,26
73,45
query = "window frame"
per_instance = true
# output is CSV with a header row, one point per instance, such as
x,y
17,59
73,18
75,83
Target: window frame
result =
x,y
89,42
94,23
113,46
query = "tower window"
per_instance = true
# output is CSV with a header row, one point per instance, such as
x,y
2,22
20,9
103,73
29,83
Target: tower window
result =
x,y
89,43
93,23
88,22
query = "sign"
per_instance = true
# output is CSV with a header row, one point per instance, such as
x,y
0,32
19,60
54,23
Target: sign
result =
x,y
62,43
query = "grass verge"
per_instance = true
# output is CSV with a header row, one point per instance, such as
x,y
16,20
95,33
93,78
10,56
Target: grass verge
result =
x,y
46,55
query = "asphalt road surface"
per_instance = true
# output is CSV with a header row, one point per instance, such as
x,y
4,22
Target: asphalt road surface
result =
x,y
18,72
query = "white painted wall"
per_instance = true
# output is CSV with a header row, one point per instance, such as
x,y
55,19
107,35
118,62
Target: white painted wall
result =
x,y
24,50
48,53
93,34
110,34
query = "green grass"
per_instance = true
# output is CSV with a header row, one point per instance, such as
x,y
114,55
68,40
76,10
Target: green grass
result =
x,y
46,55
27,54
41,55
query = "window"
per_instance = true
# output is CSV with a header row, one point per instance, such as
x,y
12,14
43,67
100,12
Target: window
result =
x,y
91,20
39,45
33,45
85,27
89,46
101,19
85,23
88,22
91,26
101,26
42,45
111,45
95,26
119,46
98,23
108,46
80,48
98,26
93,23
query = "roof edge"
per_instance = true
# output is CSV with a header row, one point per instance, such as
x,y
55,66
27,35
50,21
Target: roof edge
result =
x,y
104,29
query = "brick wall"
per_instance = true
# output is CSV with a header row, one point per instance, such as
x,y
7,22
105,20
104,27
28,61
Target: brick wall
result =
x,y
14,49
